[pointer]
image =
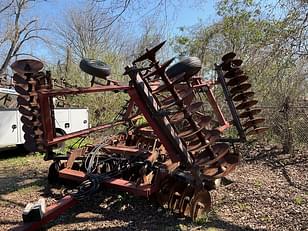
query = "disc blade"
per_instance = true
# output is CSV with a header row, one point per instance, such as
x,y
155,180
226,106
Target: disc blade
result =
x,y
164,86
253,122
25,111
20,79
237,80
175,196
21,90
204,121
186,199
228,164
246,104
189,133
256,131
219,151
27,66
150,54
250,113
240,88
159,70
228,56
23,101
243,96
171,101
196,146
200,205
237,62
233,73
212,135
178,117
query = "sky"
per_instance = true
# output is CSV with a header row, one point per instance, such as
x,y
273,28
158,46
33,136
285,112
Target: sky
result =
x,y
52,12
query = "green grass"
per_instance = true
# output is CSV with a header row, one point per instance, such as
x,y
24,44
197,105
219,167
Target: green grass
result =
x,y
16,161
298,200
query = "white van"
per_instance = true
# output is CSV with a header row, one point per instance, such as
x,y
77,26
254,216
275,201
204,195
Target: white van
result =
x,y
67,120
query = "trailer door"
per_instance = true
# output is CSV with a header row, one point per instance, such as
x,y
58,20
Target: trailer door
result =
x,y
8,127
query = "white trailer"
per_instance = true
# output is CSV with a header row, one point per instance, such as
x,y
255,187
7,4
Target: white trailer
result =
x,y
67,120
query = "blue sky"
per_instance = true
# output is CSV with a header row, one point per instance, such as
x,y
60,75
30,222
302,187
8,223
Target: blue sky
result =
x,y
52,12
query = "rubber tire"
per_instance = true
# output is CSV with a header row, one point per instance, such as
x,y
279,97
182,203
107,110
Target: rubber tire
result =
x,y
53,172
94,67
60,146
189,65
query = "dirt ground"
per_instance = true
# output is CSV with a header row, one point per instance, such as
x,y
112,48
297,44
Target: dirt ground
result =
x,y
268,191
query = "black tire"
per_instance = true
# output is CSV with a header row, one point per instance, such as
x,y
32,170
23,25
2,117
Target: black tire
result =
x,y
189,65
96,68
59,146
53,172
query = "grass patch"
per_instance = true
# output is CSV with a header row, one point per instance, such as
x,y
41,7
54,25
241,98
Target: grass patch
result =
x,y
258,183
16,161
243,206
298,200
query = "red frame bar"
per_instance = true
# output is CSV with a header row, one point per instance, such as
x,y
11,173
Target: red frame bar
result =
x,y
163,139
82,90
45,98
83,132
52,212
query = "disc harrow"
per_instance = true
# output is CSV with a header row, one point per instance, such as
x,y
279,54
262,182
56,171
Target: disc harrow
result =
x,y
171,148
28,80
236,82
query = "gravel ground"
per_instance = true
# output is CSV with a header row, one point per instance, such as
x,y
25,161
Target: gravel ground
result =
x,y
268,191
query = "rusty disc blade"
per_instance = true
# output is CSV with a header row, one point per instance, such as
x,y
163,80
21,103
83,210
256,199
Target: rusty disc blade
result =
x,y
228,164
250,113
240,88
204,121
209,171
175,80
23,101
228,56
25,111
196,146
256,131
237,62
212,135
243,96
38,131
27,66
200,204
159,70
163,194
30,145
230,64
27,120
20,79
233,73
186,199
253,122
194,107
170,101
237,80
33,138
30,122
175,196
189,133
21,90
150,54
154,85
219,150
178,117
246,104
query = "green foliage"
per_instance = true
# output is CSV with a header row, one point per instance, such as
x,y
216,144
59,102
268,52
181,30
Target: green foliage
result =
x,y
270,41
